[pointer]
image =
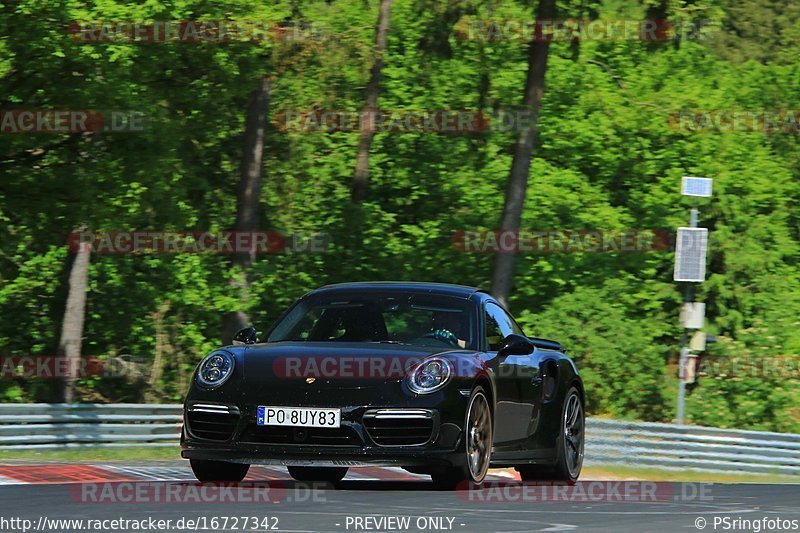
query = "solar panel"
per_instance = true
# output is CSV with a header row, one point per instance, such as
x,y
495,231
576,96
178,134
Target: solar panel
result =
x,y
691,186
690,254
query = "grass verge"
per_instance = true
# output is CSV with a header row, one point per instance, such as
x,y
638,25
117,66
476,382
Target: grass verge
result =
x,y
95,453
614,472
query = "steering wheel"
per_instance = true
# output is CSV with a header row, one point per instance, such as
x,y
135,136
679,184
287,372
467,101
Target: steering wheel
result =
x,y
443,335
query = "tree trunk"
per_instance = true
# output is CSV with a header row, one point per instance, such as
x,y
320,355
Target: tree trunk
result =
x,y
247,202
69,346
523,152
159,361
358,189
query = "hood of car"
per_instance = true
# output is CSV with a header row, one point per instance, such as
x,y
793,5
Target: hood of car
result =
x,y
336,364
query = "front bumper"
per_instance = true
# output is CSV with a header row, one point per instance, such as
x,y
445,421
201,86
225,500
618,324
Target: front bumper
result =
x,y
426,432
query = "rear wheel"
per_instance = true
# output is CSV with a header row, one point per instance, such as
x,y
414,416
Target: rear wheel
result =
x,y
318,473
569,445
478,444
218,470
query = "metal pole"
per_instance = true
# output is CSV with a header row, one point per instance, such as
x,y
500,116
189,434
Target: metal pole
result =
x,y
687,298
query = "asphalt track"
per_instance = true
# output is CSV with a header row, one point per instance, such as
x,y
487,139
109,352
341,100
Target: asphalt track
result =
x,y
366,499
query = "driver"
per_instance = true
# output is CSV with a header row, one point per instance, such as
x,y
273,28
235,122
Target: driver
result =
x,y
445,327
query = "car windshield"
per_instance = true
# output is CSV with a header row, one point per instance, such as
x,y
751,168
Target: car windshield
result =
x,y
402,318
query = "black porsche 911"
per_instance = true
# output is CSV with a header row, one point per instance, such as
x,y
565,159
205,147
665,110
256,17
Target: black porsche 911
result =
x,y
437,379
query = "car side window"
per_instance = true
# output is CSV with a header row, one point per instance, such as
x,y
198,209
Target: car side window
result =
x,y
494,336
499,325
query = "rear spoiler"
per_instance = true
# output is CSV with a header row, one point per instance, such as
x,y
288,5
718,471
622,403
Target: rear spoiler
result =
x,y
546,344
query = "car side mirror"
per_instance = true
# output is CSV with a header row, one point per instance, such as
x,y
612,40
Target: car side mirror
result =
x,y
245,336
515,344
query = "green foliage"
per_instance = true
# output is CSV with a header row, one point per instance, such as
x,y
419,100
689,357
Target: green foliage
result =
x,y
615,348
608,159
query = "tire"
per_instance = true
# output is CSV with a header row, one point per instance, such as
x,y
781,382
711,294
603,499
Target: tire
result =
x,y
478,438
218,470
318,473
569,445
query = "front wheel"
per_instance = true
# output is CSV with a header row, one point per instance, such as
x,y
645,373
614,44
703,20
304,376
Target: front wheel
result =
x,y
478,436
218,470
318,473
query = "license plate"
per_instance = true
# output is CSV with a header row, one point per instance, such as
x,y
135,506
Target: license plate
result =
x,y
310,417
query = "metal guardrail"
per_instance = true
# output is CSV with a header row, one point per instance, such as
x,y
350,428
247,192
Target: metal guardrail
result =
x,y
646,444
643,444
43,426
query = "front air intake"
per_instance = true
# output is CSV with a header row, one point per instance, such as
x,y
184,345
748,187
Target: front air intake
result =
x,y
211,421
401,427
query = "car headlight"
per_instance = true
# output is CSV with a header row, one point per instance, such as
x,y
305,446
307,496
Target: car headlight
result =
x,y
215,369
429,376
